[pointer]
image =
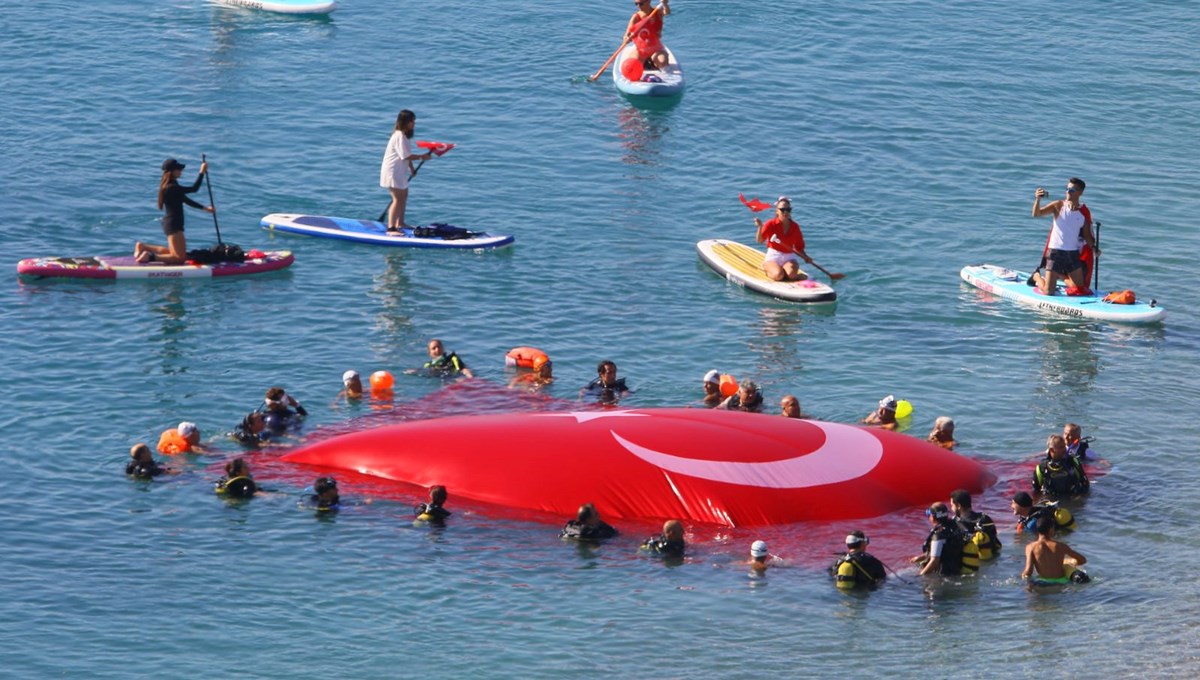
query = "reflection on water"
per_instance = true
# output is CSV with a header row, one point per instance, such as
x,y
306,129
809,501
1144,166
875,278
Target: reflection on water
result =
x,y
1069,367
173,327
775,345
641,135
390,286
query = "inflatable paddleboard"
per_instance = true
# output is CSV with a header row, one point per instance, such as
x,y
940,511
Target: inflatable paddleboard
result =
x,y
285,6
1008,283
125,267
368,231
667,82
702,465
742,265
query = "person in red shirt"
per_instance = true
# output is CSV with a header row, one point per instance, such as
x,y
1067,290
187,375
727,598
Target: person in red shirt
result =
x,y
785,244
648,38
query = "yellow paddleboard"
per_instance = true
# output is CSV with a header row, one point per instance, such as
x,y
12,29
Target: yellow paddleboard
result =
x,y
742,265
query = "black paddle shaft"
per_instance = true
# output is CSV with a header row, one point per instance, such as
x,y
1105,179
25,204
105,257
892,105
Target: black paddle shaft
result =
x,y
208,181
1096,258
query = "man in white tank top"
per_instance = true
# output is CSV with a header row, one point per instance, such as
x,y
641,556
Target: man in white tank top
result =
x,y
1071,225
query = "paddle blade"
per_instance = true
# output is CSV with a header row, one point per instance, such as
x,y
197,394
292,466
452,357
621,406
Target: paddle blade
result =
x,y
754,204
436,148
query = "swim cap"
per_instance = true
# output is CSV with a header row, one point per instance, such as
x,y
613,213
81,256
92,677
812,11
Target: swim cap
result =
x,y
540,360
713,377
186,429
759,549
348,376
888,403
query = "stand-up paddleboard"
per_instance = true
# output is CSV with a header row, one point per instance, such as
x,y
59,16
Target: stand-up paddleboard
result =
x,y
285,6
667,82
742,265
369,231
1010,284
125,267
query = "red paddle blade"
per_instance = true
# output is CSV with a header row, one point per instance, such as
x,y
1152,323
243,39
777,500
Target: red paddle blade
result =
x,y
755,204
436,148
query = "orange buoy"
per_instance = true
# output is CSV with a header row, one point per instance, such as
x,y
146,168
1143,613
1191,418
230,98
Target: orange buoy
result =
x,y
525,357
382,380
729,386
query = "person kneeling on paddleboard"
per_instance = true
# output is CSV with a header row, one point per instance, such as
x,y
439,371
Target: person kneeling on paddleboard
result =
x,y
785,244
646,33
171,197
1071,224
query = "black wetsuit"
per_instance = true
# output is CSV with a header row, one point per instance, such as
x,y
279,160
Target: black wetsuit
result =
x,y
662,546
437,514
868,570
1060,478
143,470
174,196
588,532
978,521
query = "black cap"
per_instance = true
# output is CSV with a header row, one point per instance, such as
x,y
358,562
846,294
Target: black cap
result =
x,y
1023,499
171,164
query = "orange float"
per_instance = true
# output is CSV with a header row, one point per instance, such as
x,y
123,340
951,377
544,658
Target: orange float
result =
x,y
525,357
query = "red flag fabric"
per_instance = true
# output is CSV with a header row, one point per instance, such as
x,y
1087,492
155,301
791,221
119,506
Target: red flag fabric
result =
x,y
436,148
755,204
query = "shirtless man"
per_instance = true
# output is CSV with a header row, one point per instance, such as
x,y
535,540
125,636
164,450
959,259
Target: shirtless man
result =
x,y
1048,557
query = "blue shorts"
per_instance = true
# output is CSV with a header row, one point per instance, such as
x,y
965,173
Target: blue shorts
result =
x,y
1063,261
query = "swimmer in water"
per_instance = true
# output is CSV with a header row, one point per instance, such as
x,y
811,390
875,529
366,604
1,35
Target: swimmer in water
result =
x,y
278,410
253,430
352,387
885,415
541,376
760,557
943,433
1054,562
669,543
237,482
326,498
142,464
433,512
441,363
587,526
606,385
789,407
748,398
712,388
185,438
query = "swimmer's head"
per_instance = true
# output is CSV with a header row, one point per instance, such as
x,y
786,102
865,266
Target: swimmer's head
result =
x,y
189,431
888,403
789,406
758,549
141,453
351,377
937,512
944,424
961,498
1022,499
673,530
237,468
253,422
437,494
606,369
1055,446
1071,433
587,513
857,539
327,490
1046,526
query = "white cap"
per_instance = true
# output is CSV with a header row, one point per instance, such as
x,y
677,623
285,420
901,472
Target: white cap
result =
x,y
187,429
888,402
349,375
759,549
712,377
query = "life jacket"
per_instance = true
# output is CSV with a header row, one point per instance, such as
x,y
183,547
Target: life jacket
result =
x,y
447,363
662,546
857,569
959,554
1060,477
235,487
143,470
172,443
981,530
427,512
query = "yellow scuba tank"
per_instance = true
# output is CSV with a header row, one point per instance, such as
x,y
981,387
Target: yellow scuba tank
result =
x,y
983,545
844,577
970,556
1064,519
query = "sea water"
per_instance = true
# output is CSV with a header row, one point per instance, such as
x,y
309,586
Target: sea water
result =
x,y
910,137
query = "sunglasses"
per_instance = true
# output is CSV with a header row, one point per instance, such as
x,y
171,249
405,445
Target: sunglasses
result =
x,y
1072,190
784,210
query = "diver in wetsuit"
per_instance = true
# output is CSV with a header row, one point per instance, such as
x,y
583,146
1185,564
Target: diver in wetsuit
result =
x,y
587,526
669,543
237,482
606,386
857,567
142,464
433,512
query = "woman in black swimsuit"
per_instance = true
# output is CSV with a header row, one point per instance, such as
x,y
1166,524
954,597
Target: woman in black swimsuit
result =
x,y
171,197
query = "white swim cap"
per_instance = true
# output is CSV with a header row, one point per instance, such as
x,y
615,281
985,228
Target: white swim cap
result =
x,y
759,549
187,429
349,375
713,377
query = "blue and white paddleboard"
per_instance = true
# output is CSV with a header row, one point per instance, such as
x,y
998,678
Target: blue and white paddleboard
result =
x,y
1010,284
667,82
369,231
285,6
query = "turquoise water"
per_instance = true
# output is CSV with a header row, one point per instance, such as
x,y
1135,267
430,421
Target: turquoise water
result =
x,y
910,136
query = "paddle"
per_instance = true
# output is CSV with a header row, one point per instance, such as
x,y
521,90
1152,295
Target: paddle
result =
x,y
437,149
1096,257
624,42
756,205
208,181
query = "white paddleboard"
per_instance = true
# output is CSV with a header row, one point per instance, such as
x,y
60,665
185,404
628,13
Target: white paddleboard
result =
x,y
742,265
